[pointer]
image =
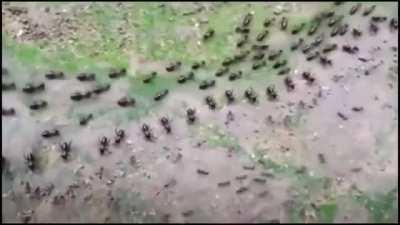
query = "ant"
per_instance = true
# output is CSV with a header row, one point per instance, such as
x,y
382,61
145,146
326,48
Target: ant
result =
x,y
298,28
343,29
312,56
268,21
206,84
166,124
329,48
284,23
126,101
349,49
160,95
259,47
191,115
275,55
369,10
30,88
261,36
289,83
101,88
271,92
8,86
115,73
86,77
8,112
354,9
150,77
279,63
38,104
85,119
235,76
197,65
314,28
250,95
393,24
173,66
229,95
65,149
103,145
296,44
30,161
210,102
356,32
307,76
247,19
242,41
209,33
182,79
50,133
119,135
325,61
283,71
52,75
259,64
221,71
147,132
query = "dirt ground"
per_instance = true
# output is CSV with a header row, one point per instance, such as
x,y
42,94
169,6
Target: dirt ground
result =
x,y
324,151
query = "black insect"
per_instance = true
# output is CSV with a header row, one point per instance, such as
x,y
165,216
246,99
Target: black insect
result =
x,y
211,102
271,92
30,161
259,64
228,61
328,14
38,104
247,19
229,96
259,47
241,190
314,27
224,183
65,149
393,24
329,47
166,124
312,56
260,180
103,145
274,55
173,66
235,75
208,34
119,135
197,65
307,76
221,71
318,40
242,55
284,23
243,30
150,77
335,30
160,95
296,44
261,36
378,19
321,158
50,133
250,95
342,116
324,60
279,63
354,8
7,112
101,88
77,96
258,56
53,75
349,49
191,115
356,32
147,132
334,21
4,71
343,29
8,86
369,10
183,78
126,101
268,21
284,71
86,77
242,40
205,84
289,84
202,172
85,119
373,28
297,29
357,108
31,88
116,73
